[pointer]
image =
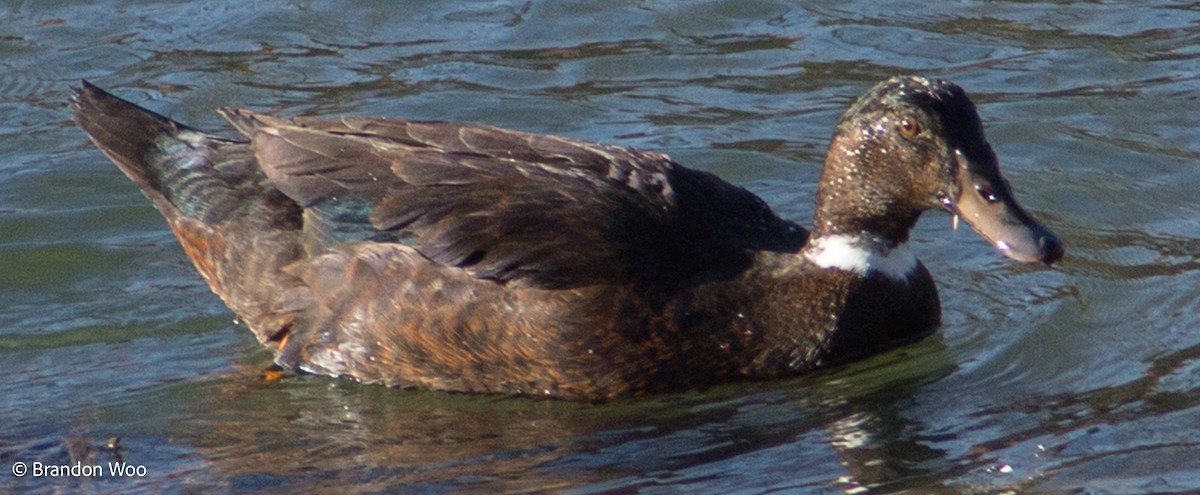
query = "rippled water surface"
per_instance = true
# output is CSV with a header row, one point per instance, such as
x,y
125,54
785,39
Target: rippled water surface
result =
x,y
1084,379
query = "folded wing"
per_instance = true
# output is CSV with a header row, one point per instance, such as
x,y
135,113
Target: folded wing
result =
x,y
513,207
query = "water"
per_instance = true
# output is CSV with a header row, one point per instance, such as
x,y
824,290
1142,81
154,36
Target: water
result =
x,y
1085,379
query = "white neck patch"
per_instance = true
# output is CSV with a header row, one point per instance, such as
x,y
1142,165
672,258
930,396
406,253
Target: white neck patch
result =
x,y
861,255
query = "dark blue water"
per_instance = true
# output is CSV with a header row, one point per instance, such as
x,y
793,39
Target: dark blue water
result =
x,y
1083,380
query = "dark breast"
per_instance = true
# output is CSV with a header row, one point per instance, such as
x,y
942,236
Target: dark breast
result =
x,y
881,313
784,317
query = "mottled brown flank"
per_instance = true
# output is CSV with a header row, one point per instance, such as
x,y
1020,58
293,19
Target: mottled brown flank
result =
x,y
477,259
594,342
201,245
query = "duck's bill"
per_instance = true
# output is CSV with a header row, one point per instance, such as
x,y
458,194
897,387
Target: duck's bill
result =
x,y
986,203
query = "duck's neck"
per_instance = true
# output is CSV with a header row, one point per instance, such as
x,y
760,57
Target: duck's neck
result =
x,y
861,236
863,218
862,254
853,199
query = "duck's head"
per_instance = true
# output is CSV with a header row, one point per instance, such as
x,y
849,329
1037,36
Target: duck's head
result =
x,y
912,144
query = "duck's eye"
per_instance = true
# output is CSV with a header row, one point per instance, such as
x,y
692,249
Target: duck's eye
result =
x,y
909,128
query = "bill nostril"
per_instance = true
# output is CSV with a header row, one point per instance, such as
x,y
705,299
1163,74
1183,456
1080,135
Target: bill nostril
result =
x,y
987,194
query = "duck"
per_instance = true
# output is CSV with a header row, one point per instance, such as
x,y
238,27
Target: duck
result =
x,y
470,258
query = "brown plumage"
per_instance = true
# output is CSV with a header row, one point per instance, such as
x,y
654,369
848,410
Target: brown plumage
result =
x,y
479,259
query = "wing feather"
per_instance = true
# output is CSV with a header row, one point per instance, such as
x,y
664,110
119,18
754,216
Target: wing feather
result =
x,y
511,206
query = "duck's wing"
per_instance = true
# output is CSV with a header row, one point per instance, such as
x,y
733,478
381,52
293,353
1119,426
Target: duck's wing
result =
x,y
511,206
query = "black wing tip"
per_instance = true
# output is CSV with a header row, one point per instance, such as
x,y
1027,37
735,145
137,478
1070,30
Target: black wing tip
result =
x,y
245,121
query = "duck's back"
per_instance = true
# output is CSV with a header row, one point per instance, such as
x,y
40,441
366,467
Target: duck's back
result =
x,y
512,207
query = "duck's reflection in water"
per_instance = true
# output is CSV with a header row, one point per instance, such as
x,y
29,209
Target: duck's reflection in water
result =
x,y
848,429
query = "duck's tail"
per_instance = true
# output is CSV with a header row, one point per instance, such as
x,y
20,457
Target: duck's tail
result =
x,y
238,230
179,168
